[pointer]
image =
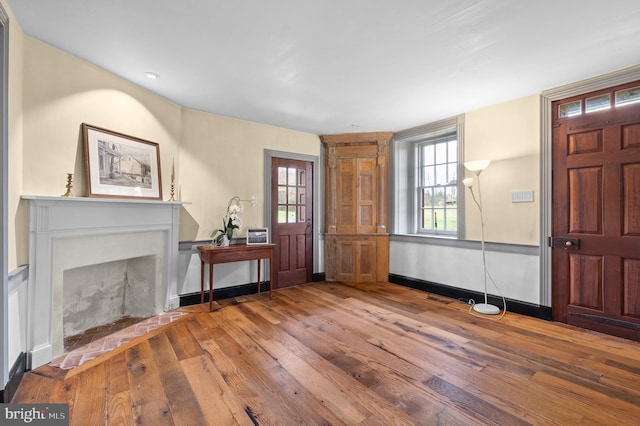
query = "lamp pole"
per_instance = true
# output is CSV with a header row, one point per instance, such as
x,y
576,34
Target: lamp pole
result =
x,y
477,167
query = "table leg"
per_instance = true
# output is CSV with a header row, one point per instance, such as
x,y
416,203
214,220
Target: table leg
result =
x,y
201,281
259,276
270,276
210,286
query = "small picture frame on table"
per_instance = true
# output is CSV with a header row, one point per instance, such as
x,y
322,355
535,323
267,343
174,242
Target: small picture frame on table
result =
x,y
257,236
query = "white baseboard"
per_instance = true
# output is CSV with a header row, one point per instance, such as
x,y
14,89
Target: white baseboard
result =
x,y
39,356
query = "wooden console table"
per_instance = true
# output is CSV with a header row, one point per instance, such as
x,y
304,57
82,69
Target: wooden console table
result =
x,y
233,253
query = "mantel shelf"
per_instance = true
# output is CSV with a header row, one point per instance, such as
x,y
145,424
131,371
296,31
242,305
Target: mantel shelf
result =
x,y
101,200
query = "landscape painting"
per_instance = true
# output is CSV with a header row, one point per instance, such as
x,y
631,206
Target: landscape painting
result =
x,y
119,165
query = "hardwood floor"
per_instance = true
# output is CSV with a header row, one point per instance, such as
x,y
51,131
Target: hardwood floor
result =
x,y
328,353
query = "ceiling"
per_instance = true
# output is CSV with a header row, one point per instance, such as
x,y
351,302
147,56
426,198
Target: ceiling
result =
x,y
339,66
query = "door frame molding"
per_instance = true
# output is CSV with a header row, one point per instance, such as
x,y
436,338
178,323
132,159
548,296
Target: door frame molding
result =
x,y
318,210
4,199
623,76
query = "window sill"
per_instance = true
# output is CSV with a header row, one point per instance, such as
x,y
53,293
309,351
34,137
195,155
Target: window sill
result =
x,y
446,241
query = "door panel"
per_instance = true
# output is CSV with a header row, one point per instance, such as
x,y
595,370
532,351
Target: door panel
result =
x,y
291,224
284,248
366,186
631,303
585,200
357,210
631,203
585,281
346,178
347,261
596,208
366,261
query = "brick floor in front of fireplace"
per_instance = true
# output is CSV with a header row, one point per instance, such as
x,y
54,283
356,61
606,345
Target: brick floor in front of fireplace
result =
x,y
100,340
89,336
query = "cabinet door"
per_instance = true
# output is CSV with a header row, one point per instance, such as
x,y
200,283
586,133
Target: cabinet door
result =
x,y
346,182
366,261
347,253
356,261
356,186
366,196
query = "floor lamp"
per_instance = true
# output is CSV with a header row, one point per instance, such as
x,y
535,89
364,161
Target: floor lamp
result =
x,y
477,167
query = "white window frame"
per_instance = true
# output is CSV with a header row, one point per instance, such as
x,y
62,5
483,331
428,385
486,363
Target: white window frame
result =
x,y
433,139
404,216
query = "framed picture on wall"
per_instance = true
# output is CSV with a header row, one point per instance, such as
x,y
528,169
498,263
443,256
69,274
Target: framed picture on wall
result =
x,y
120,166
258,236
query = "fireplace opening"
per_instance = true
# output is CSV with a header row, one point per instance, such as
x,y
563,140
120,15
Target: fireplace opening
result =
x,y
104,297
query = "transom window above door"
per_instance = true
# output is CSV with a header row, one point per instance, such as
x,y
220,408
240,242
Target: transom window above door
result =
x,y
578,106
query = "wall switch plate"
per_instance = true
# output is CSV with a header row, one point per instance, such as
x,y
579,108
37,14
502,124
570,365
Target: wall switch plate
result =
x,y
522,196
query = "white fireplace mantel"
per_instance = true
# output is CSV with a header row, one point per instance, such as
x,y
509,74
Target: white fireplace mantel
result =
x,y
89,226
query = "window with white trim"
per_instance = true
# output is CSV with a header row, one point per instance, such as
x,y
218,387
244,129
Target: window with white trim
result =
x,y
437,186
428,197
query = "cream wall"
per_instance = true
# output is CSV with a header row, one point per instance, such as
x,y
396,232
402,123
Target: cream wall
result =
x,y
508,134
60,92
223,157
52,93
216,157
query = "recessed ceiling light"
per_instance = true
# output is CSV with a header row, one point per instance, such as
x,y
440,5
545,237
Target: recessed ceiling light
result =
x,y
152,75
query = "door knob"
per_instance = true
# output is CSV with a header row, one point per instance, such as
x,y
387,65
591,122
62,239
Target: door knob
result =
x,y
565,243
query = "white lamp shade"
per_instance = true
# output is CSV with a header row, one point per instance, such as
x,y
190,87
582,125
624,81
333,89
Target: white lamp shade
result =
x,y
468,182
477,166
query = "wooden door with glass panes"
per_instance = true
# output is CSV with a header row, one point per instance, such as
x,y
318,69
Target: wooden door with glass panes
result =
x,y
292,220
596,211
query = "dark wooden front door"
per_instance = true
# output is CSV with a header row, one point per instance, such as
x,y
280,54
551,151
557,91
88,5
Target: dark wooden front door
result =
x,y
292,220
596,212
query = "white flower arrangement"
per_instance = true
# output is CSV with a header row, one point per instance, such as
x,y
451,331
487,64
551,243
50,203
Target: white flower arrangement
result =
x,y
230,222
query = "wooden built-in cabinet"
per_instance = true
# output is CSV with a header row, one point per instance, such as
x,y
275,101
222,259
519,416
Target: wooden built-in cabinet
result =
x,y
356,239
356,258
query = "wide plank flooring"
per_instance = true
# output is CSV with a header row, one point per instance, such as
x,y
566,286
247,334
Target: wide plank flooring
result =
x,y
336,354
